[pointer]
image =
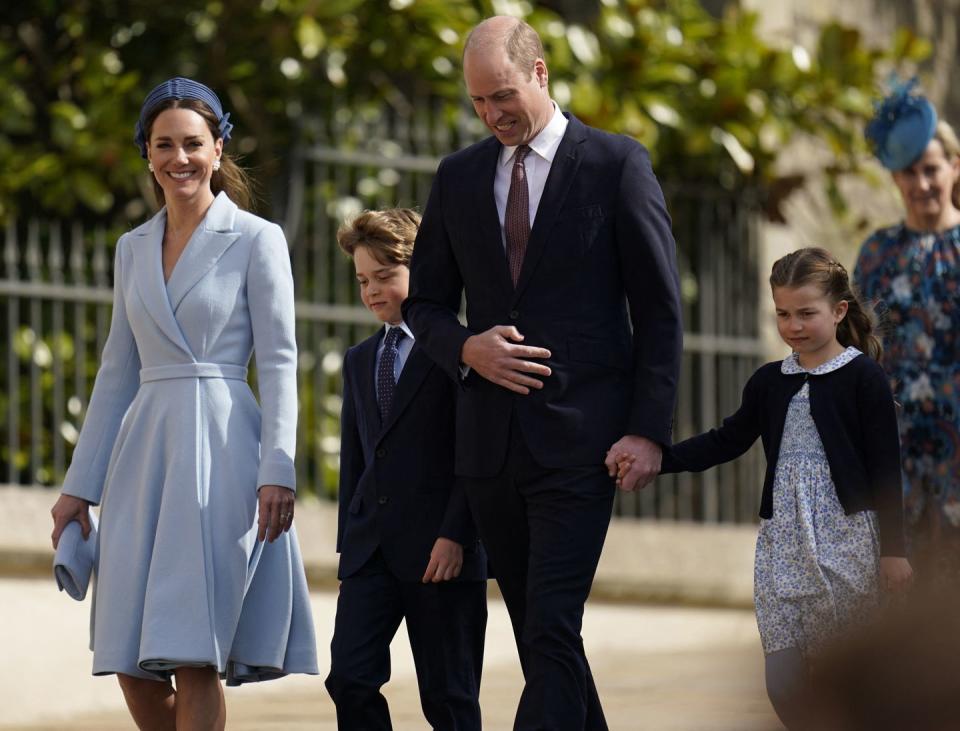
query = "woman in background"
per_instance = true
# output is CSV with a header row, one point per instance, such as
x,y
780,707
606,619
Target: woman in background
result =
x,y
912,272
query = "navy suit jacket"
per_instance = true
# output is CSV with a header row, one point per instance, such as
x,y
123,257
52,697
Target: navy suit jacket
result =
x,y
397,486
598,287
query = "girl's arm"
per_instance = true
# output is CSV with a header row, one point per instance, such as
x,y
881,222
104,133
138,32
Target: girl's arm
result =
x,y
734,437
881,445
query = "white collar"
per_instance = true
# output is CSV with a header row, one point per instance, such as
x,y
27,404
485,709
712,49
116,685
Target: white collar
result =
x,y
545,144
791,364
387,327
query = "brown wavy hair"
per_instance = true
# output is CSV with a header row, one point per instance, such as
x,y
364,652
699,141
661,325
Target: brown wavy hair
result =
x,y
230,178
819,267
388,234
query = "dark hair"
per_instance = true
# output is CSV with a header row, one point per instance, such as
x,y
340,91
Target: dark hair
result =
x,y
817,266
387,234
230,178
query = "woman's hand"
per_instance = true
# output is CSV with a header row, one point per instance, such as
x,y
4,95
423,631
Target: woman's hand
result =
x,y
895,573
276,511
69,508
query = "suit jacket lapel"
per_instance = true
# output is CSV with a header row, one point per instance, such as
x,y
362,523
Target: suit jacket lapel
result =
x,y
411,377
209,242
148,273
365,379
490,231
565,165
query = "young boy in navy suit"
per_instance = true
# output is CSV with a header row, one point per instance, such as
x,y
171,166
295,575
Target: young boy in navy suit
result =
x,y
408,549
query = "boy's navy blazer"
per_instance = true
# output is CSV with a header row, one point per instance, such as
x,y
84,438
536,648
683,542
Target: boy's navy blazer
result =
x,y
397,485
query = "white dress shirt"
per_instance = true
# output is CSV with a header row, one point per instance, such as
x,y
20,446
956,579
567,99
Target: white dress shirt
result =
x,y
403,350
537,164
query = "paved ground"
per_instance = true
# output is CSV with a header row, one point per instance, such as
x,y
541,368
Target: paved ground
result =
x,y
657,668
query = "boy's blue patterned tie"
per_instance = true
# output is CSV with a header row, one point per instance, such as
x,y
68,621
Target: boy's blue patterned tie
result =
x,y
386,383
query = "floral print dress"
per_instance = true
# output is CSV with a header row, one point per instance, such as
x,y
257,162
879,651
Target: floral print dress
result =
x,y
816,567
914,279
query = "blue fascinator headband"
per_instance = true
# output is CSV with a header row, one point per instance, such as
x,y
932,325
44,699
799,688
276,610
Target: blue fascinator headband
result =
x,y
902,126
180,88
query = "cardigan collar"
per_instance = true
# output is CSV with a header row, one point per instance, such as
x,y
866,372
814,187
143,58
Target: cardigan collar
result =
x,y
791,364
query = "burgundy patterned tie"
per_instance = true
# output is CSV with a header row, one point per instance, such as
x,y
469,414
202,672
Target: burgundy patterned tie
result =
x,y
517,219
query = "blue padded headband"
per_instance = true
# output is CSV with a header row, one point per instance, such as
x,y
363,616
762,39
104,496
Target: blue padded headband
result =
x,y
180,88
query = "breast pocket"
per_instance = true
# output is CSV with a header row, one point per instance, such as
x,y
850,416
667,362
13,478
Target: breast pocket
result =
x,y
578,229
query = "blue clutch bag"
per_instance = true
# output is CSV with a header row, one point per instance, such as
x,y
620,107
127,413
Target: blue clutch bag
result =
x,y
75,558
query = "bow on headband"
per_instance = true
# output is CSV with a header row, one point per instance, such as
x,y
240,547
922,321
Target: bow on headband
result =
x,y
180,88
902,126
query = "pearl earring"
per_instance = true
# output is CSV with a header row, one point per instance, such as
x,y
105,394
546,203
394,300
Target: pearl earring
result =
x,y
216,165
150,166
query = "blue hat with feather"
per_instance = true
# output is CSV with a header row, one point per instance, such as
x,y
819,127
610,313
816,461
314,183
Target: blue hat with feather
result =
x,y
902,126
180,88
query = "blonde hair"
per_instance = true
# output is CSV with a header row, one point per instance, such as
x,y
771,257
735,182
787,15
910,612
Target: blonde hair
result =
x,y
817,266
388,234
945,135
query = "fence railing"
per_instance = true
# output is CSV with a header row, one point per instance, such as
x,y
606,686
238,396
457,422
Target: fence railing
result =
x,y
55,294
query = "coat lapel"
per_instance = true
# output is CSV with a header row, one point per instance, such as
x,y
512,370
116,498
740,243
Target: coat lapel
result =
x,y
411,377
566,162
148,272
209,242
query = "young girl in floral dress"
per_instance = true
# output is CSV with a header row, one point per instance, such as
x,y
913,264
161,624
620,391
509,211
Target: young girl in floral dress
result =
x,y
831,533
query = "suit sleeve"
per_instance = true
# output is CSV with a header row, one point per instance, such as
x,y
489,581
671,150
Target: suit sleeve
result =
x,y
649,270
436,288
270,297
734,437
351,452
882,457
117,381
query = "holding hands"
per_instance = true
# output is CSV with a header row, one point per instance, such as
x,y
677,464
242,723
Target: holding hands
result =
x,y
634,462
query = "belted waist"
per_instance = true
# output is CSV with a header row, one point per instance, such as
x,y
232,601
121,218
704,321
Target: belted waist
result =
x,y
193,370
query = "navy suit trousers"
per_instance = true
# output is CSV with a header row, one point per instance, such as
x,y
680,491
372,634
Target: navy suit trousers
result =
x,y
446,623
544,530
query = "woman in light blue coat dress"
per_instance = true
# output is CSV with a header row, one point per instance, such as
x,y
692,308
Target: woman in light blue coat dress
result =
x,y
199,574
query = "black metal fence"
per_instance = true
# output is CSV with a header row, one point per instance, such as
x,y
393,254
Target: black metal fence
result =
x,y
55,299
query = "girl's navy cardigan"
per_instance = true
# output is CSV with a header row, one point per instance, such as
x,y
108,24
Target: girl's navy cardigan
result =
x,y
855,415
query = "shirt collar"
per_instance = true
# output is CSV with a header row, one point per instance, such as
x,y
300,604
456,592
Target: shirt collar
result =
x,y
387,327
791,364
545,144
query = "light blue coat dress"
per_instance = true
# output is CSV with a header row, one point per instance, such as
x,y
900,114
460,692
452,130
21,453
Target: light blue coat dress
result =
x,y
175,446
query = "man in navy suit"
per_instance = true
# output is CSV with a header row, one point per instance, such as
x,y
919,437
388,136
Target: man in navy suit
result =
x,y
559,237
408,549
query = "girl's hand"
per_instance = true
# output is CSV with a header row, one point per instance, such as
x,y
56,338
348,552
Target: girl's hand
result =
x,y
67,509
276,511
622,462
895,573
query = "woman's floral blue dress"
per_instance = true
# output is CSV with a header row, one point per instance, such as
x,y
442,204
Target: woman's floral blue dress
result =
x,y
816,567
914,279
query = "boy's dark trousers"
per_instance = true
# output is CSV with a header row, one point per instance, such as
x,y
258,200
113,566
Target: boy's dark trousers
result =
x,y
445,623
397,496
